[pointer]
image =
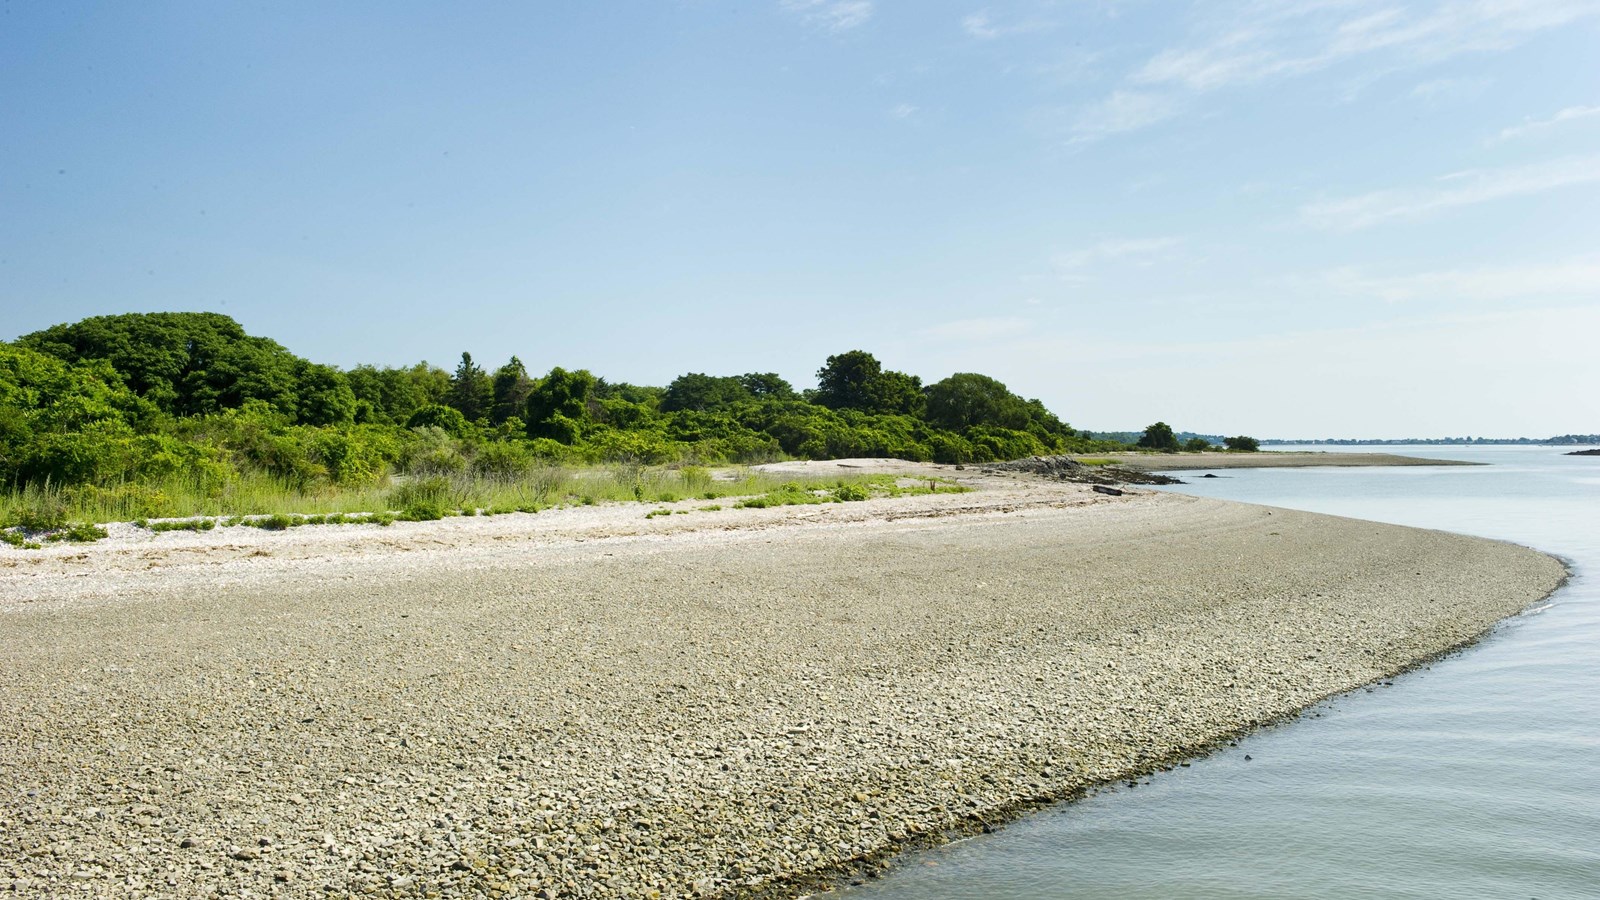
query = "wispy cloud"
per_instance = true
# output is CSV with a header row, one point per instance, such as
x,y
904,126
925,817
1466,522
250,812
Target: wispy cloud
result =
x,y
1138,251
982,329
830,15
1530,126
1451,192
903,111
1120,112
1448,88
1289,38
983,27
1574,278
1269,40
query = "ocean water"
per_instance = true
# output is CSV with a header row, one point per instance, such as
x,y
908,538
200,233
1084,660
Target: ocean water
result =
x,y
1476,777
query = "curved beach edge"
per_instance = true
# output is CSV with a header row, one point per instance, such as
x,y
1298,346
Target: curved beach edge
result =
x,y
740,703
882,862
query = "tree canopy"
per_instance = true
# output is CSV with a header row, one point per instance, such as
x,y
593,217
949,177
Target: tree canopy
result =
x,y
1159,437
114,404
856,380
191,364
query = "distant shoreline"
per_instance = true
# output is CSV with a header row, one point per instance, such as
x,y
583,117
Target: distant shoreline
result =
x,y
1265,459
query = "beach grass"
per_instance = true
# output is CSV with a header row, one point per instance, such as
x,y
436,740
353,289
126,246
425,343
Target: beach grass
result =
x,y
268,501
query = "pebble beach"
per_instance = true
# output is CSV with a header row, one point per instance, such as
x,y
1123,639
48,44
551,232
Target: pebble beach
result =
x,y
730,703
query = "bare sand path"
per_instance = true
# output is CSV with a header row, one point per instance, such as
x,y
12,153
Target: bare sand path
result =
x,y
586,703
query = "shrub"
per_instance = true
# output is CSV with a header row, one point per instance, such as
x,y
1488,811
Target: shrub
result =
x,y
502,459
444,418
40,510
422,500
846,493
1242,444
79,533
181,525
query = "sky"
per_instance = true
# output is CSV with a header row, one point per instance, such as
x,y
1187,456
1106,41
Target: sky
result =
x,y
1284,218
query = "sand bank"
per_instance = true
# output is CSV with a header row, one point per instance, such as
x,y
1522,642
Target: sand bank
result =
x,y
587,703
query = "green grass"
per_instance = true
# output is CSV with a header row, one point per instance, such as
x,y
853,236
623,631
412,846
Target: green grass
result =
x,y
860,488
1095,460
266,502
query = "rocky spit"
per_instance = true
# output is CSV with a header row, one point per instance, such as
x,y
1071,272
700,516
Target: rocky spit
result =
x,y
734,703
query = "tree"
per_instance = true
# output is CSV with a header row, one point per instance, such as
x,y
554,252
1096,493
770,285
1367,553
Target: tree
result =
x,y
1242,443
856,380
767,386
1159,437
185,363
1196,444
845,381
445,418
558,405
510,391
394,394
966,399
702,393
471,391
325,397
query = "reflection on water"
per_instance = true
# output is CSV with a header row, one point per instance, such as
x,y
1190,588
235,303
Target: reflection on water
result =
x,y
1476,777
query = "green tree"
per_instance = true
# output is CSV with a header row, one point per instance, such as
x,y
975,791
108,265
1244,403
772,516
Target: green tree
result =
x,y
324,396
185,363
1159,437
471,391
558,405
68,424
856,380
394,394
703,393
511,387
767,386
966,399
1242,443
1196,445
445,418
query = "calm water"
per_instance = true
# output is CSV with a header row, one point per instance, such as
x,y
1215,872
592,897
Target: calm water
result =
x,y
1477,777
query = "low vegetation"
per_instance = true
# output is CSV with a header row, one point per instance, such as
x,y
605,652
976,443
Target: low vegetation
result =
x,y
175,418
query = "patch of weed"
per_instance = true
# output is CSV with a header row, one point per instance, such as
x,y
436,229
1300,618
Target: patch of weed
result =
x,y
78,533
179,525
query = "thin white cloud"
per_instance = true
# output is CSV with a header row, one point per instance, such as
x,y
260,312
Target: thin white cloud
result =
x,y
1278,39
1529,126
903,111
830,15
1451,192
981,329
1121,112
981,26
1291,38
1137,251
1568,279
1446,88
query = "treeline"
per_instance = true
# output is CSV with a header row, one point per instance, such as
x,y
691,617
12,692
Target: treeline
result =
x,y
111,402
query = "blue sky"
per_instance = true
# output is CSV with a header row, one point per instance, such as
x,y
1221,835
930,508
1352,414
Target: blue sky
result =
x,y
1296,219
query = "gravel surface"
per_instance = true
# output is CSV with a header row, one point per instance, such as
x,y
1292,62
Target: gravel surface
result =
x,y
586,703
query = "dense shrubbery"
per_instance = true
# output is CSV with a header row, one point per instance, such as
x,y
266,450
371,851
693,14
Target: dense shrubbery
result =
x,y
128,413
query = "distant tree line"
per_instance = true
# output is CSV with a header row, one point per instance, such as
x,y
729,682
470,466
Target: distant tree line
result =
x,y
117,401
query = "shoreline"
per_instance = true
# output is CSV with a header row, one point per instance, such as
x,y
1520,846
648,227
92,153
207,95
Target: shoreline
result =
x,y
1267,459
749,703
